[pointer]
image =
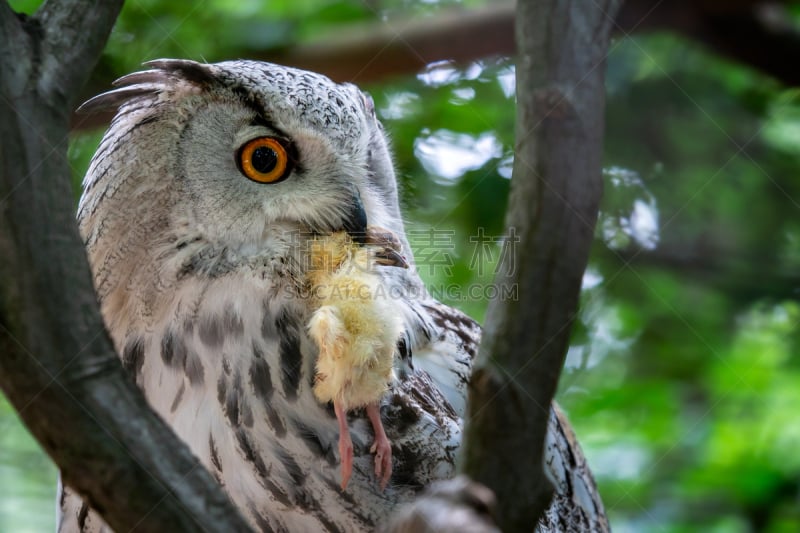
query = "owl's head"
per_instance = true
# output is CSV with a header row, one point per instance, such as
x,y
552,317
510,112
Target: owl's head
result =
x,y
229,152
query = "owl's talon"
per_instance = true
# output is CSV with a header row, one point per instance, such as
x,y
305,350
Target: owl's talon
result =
x,y
388,257
389,252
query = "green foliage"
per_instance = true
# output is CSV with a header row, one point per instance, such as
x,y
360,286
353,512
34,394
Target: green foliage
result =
x,y
695,404
682,379
27,478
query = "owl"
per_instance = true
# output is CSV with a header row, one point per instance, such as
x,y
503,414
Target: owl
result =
x,y
199,214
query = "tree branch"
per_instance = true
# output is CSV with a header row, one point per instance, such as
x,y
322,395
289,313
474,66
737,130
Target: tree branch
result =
x,y
13,37
757,33
737,29
388,49
555,193
58,367
74,34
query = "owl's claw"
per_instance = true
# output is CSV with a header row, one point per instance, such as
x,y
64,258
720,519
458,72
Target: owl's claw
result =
x,y
389,257
388,247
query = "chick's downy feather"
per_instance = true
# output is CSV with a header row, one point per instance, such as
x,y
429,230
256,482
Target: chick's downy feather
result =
x,y
356,326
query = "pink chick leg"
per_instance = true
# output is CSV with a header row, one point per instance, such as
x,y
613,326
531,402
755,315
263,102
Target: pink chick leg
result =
x,y
345,444
382,448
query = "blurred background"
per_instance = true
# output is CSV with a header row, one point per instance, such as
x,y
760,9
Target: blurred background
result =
x,y
683,377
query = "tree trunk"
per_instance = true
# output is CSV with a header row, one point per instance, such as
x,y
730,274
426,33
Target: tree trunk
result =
x,y
58,367
555,194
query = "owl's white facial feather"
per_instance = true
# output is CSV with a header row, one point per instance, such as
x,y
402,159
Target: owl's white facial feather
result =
x,y
165,185
237,211
193,158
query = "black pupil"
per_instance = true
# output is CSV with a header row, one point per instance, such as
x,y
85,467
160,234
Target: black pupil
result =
x,y
264,159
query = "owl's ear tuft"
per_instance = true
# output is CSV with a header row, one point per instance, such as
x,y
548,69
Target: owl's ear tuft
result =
x,y
191,71
150,82
115,98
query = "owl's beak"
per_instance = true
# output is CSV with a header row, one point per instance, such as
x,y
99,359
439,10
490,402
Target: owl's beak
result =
x,y
355,224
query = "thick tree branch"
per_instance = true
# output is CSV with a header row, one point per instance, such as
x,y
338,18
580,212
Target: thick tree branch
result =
x,y
74,33
13,37
555,194
753,32
389,49
58,367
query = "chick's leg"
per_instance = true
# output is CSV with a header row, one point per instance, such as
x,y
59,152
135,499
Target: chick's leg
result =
x,y
382,448
345,443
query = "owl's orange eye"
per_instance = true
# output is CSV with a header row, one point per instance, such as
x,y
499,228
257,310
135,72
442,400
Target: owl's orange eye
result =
x,y
264,160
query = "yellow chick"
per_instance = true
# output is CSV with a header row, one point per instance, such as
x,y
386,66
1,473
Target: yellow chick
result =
x,y
356,328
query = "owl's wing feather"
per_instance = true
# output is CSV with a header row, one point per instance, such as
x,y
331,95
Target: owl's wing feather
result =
x,y
449,351
447,359
576,506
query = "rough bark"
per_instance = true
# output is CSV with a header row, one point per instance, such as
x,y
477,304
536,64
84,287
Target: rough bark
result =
x,y
58,367
555,193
